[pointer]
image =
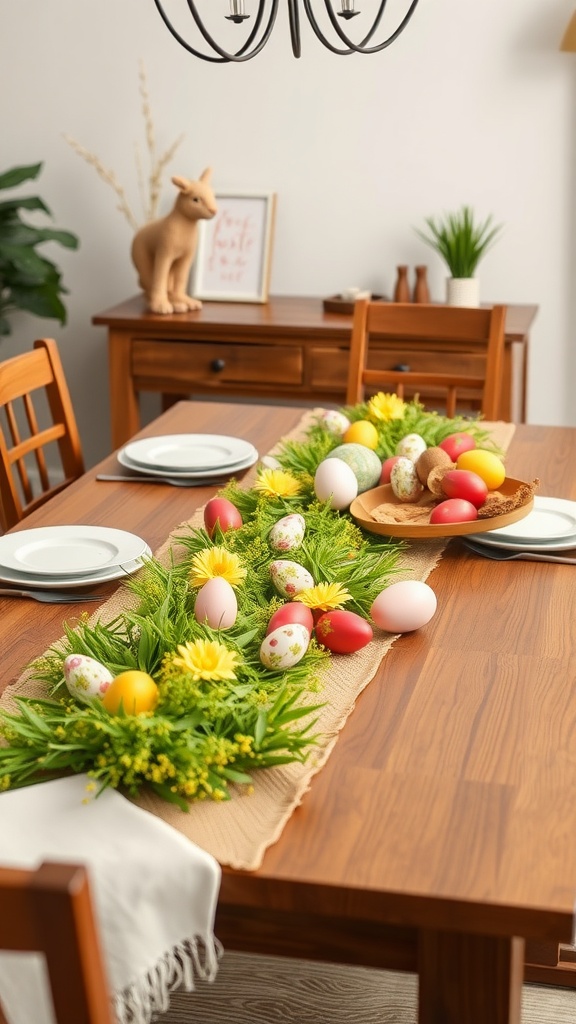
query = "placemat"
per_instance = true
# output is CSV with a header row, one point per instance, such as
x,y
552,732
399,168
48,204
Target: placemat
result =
x,y
238,832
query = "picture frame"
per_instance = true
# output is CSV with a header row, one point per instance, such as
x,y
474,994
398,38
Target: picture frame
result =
x,y
233,259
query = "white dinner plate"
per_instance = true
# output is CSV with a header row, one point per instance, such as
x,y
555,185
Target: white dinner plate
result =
x,y
551,525
115,572
68,550
188,452
203,474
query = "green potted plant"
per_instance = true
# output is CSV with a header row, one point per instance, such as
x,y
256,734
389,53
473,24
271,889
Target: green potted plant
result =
x,y
461,243
28,281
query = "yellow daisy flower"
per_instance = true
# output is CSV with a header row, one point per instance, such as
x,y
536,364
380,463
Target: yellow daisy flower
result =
x,y
216,561
276,483
206,659
324,596
386,407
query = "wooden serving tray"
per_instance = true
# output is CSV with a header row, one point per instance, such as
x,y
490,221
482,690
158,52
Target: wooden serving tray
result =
x,y
334,304
361,512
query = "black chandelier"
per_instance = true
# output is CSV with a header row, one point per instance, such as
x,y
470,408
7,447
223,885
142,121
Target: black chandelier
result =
x,y
265,17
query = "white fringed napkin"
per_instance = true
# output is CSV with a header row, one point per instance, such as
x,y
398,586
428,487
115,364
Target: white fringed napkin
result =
x,y
155,894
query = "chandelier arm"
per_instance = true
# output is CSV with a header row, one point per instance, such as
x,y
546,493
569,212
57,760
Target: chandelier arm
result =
x,y
294,17
182,41
224,57
340,31
239,55
353,47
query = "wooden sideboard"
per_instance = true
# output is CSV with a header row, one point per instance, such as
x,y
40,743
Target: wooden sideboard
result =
x,y
287,348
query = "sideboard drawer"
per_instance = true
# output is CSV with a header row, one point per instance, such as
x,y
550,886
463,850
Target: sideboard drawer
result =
x,y
329,367
199,364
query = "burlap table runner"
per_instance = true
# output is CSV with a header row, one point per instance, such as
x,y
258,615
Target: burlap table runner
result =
x,y
238,832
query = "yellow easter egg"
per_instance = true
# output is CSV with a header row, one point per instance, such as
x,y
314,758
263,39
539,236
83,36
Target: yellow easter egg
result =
x,y
362,432
486,464
131,692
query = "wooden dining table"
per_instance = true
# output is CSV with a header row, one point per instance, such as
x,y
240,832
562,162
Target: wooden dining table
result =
x,y
440,836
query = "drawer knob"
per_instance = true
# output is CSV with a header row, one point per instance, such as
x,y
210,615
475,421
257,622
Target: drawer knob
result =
x,y
402,368
218,365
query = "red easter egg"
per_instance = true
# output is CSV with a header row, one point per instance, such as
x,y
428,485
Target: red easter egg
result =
x,y
221,512
343,632
289,613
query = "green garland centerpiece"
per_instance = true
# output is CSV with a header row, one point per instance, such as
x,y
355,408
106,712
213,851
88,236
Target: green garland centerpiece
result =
x,y
191,703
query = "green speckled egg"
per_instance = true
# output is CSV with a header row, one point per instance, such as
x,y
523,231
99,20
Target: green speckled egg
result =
x,y
363,462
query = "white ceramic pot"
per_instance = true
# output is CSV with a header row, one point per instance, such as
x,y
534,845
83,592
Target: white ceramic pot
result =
x,y
462,291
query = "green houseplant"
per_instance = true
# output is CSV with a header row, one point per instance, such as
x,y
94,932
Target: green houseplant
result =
x,y
461,242
28,281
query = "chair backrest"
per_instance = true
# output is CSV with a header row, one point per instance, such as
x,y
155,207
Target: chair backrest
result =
x,y
35,411
473,337
49,910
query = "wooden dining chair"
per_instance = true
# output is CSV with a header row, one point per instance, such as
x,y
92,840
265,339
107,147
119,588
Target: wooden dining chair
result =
x,y
40,450
473,338
49,910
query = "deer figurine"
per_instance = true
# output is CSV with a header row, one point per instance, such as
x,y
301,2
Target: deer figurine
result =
x,y
164,250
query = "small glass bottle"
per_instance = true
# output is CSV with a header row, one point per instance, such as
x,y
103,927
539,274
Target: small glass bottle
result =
x,y
402,289
421,291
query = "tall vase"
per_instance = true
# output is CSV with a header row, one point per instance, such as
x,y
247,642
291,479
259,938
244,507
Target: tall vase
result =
x,y
421,291
462,291
402,289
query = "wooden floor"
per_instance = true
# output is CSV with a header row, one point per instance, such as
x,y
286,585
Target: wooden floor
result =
x,y
269,990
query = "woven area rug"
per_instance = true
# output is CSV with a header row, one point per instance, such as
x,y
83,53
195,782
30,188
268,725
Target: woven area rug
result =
x,y
237,833
271,990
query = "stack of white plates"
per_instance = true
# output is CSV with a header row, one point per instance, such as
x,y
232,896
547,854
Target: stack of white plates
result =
x,y
56,557
190,456
550,526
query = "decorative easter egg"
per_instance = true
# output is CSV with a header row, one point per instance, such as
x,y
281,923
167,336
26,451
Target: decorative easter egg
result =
x,y
222,513
335,482
269,462
411,447
362,432
343,632
404,606
387,468
216,604
404,480
288,532
290,578
284,646
290,613
86,678
363,462
131,693
336,422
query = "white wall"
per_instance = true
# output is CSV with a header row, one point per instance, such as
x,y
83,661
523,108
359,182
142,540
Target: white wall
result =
x,y
473,104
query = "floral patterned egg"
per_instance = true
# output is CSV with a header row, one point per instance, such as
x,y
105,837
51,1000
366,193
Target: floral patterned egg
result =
x,y
290,578
336,422
288,532
411,447
285,646
404,480
86,678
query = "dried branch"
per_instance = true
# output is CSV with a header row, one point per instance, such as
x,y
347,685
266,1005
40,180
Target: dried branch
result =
x,y
149,187
107,176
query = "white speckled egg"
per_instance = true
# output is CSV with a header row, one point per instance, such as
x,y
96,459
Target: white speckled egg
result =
x,y
288,532
86,678
404,606
270,462
285,646
411,447
290,578
404,480
335,481
216,604
336,422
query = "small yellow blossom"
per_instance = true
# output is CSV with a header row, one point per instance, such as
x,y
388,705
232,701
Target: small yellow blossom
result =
x,y
216,561
386,407
277,483
206,659
324,596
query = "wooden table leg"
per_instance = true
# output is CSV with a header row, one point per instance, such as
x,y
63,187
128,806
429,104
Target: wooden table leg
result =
x,y
124,405
469,979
